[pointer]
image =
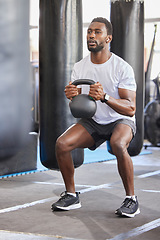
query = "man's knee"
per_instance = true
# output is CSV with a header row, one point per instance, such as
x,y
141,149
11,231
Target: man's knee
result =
x,y
61,145
118,146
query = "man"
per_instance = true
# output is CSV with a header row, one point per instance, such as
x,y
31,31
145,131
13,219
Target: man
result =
x,y
114,120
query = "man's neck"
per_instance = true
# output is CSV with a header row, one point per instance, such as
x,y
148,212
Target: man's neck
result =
x,y
100,57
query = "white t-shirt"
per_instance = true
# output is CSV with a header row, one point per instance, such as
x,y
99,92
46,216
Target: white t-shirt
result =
x,y
113,74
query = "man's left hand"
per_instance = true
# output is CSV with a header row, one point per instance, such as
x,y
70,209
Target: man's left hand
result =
x,y
96,91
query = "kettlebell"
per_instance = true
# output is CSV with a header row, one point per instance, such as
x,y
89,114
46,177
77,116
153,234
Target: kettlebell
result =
x,y
82,105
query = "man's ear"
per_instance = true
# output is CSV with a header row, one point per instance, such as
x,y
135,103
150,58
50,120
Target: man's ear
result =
x,y
108,38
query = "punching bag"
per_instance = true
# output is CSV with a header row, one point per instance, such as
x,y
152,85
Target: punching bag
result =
x,y
15,84
60,46
127,18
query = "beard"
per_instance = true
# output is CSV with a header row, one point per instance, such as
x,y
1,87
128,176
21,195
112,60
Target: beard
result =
x,y
98,47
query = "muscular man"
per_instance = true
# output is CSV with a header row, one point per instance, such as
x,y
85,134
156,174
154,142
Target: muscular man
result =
x,y
114,120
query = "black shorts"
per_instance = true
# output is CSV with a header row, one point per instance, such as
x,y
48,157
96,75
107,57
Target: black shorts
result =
x,y
101,133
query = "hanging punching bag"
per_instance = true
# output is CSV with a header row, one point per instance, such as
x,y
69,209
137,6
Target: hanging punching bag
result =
x,y
60,46
15,84
127,18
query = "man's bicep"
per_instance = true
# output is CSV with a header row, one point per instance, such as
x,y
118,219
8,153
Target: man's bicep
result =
x,y
127,94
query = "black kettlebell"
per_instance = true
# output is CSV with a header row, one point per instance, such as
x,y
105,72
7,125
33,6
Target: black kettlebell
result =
x,y
82,105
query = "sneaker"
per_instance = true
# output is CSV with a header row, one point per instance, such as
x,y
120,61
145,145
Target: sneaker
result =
x,y
67,202
129,208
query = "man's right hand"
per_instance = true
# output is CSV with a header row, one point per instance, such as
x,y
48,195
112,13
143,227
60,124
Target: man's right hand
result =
x,y
71,91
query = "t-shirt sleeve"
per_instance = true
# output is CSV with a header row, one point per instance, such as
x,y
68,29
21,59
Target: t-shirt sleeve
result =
x,y
127,78
73,75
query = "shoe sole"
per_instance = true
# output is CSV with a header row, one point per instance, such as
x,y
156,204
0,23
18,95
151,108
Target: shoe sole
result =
x,y
129,215
71,207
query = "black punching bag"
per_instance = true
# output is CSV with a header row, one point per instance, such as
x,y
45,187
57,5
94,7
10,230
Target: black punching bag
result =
x,y
60,46
127,18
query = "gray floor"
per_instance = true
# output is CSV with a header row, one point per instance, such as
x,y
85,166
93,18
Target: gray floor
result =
x,y
25,203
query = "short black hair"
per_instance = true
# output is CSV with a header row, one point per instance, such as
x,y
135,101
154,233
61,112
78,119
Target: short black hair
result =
x,y
106,22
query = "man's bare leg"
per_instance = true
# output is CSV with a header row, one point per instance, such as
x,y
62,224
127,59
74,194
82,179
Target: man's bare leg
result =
x,y
120,140
75,137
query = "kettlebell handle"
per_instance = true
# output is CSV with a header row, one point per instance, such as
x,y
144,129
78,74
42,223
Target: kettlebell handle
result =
x,y
83,81
82,105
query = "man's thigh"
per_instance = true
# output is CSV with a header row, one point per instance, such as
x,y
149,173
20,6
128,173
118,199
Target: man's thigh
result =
x,y
122,133
77,136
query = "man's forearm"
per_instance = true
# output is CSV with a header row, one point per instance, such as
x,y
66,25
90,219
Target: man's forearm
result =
x,y
122,106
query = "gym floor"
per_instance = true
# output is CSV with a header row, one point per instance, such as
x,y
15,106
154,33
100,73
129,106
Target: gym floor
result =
x,y
26,199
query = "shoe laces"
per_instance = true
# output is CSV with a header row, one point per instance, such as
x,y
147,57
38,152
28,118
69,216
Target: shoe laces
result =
x,y
128,202
63,195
